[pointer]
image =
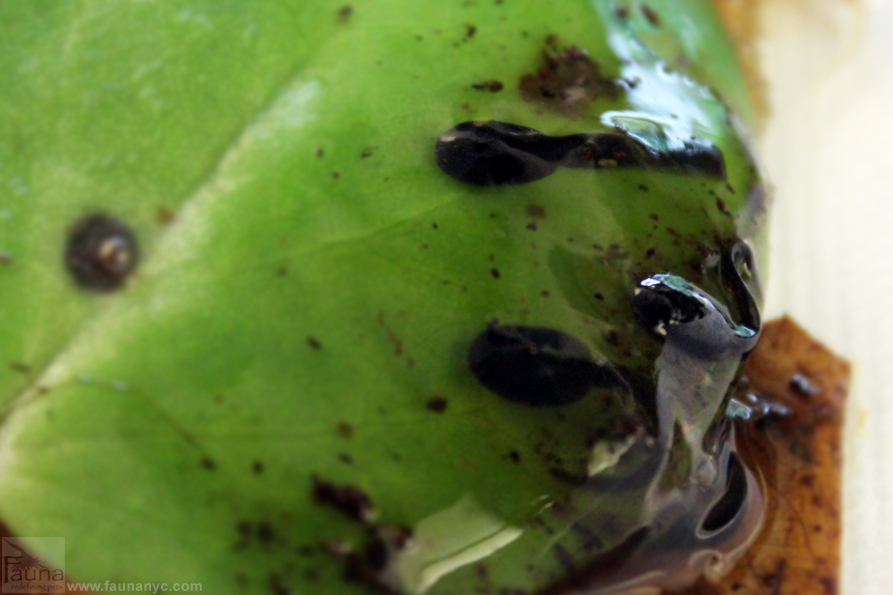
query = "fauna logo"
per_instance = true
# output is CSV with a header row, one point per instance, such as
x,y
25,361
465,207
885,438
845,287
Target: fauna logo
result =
x,y
27,571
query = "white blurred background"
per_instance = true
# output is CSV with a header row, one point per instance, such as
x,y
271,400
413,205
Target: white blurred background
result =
x,y
828,154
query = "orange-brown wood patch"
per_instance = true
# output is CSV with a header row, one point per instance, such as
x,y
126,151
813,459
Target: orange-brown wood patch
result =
x,y
800,457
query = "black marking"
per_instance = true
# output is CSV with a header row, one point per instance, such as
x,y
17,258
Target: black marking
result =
x,y
492,85
540,367
491,154
498,153
348,499
101,253
729,507
698,159
437,404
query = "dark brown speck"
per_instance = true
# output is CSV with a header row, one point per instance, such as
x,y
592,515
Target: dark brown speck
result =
x,y
347,499
345,12
437,404
345,430
493,86
536,211
650,15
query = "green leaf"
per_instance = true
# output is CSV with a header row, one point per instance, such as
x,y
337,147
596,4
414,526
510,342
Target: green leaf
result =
x,y
310,280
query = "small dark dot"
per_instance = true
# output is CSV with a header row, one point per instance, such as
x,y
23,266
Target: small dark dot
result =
x,y
367,152
493,86
532,226
544,293
347,499
536,211
345,430
650,15
598,296
314,343
345,12
101,253
437,404
650,252
164,215
336,175
643,187
265,532
470,30
434,225
257,467
495,273
654,217
514,456
320,152
244,528
209,464
345,458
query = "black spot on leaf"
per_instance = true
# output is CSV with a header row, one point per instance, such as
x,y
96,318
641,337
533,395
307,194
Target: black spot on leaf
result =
x,y
437,404
540,367
101,253
490,154
348,499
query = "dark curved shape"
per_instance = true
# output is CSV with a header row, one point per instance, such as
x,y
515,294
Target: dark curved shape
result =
x,y
492,154
539,367
738,263
101,253
499,153
728,508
